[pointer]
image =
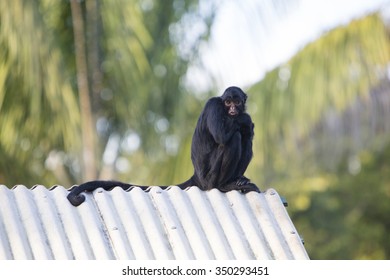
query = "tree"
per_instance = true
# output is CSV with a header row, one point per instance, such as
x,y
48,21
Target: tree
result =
x,y
322,140
127,63
297,103
349,218
37,102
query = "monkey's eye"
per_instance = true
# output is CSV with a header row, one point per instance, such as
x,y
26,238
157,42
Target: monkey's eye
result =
x,y
228,103
237,102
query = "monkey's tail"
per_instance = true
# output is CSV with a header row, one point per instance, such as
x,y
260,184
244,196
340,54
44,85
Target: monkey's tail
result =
x,y
189,183
76,198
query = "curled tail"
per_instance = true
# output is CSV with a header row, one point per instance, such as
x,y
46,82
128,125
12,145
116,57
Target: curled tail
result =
x,y
76,197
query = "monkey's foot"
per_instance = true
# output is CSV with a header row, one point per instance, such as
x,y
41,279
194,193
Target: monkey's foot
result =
x,y
242,180
249,187
245,188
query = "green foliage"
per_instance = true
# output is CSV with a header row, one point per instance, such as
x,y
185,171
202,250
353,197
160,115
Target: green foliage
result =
x,y
321,81
135,68
348,219
321,139
36,99
321,118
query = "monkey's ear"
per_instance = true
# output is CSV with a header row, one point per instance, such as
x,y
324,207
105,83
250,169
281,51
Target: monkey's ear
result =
x,y
245,97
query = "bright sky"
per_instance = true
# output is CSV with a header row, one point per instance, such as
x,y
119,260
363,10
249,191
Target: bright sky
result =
x,y
250,37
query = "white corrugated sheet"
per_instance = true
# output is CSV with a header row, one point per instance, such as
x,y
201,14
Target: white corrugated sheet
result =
x,y
160,224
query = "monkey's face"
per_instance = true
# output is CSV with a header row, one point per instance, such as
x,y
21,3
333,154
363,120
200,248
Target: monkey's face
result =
x,y
234,101
233,107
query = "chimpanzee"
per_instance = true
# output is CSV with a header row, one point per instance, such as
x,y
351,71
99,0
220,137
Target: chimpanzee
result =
x,y
221,149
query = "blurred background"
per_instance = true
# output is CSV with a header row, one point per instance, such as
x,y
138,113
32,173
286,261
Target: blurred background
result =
x,y
113,89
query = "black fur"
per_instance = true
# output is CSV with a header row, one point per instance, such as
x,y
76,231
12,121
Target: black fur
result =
x,y
221,149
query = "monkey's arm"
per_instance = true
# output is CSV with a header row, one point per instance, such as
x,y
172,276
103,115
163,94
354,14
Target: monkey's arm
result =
x,y
219,126
246,125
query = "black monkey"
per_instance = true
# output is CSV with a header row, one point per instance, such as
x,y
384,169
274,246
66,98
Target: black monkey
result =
x,y
221,149
222,144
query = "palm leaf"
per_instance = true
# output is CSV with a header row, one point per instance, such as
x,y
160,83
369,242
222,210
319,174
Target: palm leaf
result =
x,y
324,79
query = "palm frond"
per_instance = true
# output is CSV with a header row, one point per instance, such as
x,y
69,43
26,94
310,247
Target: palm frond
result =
x,y
327,76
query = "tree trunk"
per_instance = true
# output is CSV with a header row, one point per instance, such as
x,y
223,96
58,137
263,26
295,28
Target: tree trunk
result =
x,y
87,121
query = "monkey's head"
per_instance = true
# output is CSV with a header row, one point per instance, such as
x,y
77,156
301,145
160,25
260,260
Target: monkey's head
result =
x,y
234,100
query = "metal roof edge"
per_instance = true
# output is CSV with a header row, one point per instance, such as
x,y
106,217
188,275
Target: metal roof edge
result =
x,y
40,223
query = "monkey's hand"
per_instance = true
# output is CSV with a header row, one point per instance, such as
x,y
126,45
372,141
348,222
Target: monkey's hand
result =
x,y
244,119
246,125
247,130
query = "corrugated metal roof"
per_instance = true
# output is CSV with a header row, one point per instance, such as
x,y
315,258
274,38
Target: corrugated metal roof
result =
x,y
39,223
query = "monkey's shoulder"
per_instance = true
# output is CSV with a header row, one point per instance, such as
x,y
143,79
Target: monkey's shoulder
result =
x,y
213,105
